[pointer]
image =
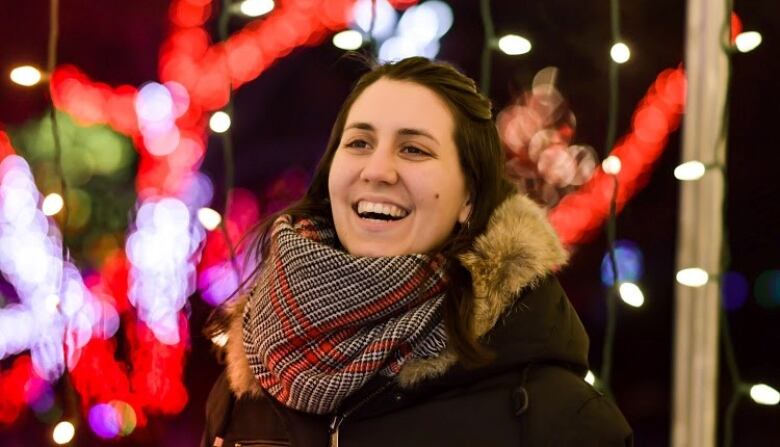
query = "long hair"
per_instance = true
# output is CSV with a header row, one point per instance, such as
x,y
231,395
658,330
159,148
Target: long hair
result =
x,y
482,161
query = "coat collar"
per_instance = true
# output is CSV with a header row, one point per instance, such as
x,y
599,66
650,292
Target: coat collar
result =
x,y
517,250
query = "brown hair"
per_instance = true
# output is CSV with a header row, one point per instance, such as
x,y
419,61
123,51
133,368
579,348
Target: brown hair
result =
x,y
481,159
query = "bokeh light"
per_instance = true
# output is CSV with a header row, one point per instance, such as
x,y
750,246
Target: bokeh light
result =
x,y
384,23
52,204
690,170
209,218
348,40
692,277
104,421
514,45
748,41
764,394
612,165
767,289
63,432
631,294
219,122
735,288
620,53
630,263
256,8
26,75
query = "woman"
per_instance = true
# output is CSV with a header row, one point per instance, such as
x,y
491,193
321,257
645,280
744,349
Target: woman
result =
x,y
409,298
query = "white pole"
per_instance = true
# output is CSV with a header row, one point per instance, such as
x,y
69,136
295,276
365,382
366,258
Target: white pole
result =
x,y
700,227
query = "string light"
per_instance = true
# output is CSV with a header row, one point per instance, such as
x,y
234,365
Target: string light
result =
x,y
209,218
690,170
52,204
612,165
348,40
747,41
514,45
26,75
590,378
620,53
256,8
631,294
692,277
63,432
764,394
219,122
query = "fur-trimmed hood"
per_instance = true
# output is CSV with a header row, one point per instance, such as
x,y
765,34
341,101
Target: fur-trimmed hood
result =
x,y
516,252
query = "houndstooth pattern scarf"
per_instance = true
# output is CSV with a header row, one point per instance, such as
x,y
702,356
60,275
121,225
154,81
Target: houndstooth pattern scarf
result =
x,y
320,322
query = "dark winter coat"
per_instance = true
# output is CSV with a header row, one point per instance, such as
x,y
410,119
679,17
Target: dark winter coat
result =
x,y
532,394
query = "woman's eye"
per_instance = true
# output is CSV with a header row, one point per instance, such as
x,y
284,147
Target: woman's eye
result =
x,y
358,144
414,150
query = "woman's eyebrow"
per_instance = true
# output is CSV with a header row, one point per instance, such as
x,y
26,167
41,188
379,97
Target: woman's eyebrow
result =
x,y
404,131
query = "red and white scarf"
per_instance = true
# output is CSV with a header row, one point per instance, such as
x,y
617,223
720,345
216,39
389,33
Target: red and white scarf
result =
x,y
320,322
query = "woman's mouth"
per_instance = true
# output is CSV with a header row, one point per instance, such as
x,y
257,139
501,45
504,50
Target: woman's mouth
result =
x,y
379,211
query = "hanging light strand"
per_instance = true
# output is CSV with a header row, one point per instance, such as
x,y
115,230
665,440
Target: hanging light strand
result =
x,y
487,50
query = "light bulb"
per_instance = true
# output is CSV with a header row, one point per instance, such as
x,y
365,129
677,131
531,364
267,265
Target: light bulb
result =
x,y
692,277
219,122
26,75
209,218
764,394
620,53
514,45
690,170
611,165
256,8
63,432
631,294
747,41
348,40
52,204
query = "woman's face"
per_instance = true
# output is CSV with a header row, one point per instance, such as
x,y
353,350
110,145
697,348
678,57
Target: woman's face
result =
x,y
396,185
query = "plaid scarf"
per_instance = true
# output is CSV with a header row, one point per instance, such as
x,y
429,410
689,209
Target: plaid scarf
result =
x,y
320,322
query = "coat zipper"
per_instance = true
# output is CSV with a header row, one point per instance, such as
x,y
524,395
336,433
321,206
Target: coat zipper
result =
x,y
339,417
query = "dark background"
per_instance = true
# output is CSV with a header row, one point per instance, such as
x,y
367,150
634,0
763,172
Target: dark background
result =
x,y
282,120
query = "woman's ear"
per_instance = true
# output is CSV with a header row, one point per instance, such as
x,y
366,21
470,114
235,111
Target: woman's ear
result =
x,y
465,211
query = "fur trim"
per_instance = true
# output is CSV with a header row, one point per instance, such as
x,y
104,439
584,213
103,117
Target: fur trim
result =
x,y
240,377
518,249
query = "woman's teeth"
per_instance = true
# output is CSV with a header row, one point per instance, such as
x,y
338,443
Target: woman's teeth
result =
x,y
367,209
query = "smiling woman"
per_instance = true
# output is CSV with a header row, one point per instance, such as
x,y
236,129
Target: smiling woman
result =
x,y
408,298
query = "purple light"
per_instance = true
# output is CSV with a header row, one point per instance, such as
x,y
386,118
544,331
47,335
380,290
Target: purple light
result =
x,y
734,287
104,421
630,263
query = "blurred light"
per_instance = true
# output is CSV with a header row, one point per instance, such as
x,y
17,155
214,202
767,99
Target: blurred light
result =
x,y
209,218
384,23
52,204
767,289
419,24
26,75
514,45
631,294
104,421
692,277
690,170
220,339
256,8
397,48
126,416
219,122
748,41
630,263
154,103
620,53
443,12
63,432
612,165
590,377
348,40
764,394
734,288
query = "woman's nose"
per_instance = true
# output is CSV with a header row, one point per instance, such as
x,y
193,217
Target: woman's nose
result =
x,y
380,167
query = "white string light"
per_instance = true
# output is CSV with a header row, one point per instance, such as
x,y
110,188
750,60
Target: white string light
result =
x,y
612,165
764,394
631,294
690,170
620,53
514,45
26,75
219,122
590,378
348,40
692,277
747,41
256,8
209,218
52,204
63,433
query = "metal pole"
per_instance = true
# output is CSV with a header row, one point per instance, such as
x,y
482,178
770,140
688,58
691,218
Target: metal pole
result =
x,y
700,228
